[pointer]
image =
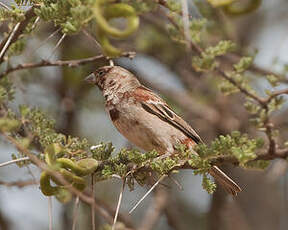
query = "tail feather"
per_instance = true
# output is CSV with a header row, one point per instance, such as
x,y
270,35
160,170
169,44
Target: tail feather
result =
x,y
228,184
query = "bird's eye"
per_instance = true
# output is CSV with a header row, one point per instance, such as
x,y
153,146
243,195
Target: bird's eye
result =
x,y
101,73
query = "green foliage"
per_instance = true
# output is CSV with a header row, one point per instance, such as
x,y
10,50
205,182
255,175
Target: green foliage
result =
x,y
102,151
73,171
174,6
6,91
251,107
196,26
275,104
201,165
238,78
207,62
73,15
40,126
273,80
17,47
261,114
9,125
208,184
163,166
227,88
237,145
70,15
142,6
260,164
14,14
243,64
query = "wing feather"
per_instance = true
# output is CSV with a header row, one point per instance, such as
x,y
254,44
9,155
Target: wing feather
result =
x,y
156,106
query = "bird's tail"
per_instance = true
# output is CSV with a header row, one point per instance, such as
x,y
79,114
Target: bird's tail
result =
x,y
228,184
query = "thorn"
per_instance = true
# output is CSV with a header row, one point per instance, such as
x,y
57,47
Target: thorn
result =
x,y
176,182
91,38
118,205
9,40
14,161
46,39
147,193
5,6
95,146
57,45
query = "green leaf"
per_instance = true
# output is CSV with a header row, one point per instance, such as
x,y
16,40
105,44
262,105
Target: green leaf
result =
x,y
243,64
208,184
9,125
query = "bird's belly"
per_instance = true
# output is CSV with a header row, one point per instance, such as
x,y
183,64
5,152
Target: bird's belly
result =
x,y
147,131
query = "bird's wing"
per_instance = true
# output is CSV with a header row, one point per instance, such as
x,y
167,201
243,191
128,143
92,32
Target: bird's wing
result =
x,y
153,104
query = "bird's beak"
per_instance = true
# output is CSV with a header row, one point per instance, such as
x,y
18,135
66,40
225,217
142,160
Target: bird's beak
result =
x,y
91,79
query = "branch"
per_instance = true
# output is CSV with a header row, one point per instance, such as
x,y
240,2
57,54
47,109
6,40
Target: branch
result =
x,y
87,198
275,94
262,101
69,63
235,57
19,184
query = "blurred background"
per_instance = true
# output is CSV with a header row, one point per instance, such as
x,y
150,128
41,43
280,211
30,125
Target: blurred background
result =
x,y
161,64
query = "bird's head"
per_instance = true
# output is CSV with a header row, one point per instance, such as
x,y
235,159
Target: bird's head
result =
x,y
113,78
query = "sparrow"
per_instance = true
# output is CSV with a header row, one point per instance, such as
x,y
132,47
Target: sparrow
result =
x,y
145,119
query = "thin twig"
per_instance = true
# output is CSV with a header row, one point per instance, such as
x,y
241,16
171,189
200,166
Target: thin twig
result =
x,y
119,203
75,213
50,213
147,193
19,184
14,161
275,93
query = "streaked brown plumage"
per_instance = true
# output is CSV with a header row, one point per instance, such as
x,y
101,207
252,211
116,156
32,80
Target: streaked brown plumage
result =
x,y
145,119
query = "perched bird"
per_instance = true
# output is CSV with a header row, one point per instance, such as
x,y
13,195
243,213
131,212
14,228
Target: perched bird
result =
x,y
145,119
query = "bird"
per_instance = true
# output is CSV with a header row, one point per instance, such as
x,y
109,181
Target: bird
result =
x,y
146,120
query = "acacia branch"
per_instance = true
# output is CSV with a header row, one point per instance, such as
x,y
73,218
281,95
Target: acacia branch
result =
x,y
19,184
69,63
274,94
87,198
262,101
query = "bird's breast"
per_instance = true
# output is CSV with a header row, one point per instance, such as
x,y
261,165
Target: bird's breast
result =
x,y
145,130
